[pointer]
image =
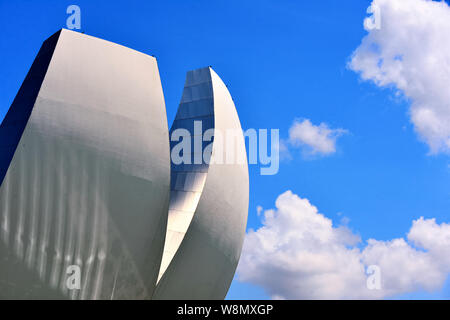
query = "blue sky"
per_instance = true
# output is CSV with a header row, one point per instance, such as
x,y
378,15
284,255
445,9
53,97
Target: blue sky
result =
x,y
282,60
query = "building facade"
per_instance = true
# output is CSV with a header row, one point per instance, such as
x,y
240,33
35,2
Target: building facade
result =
x,y
86,180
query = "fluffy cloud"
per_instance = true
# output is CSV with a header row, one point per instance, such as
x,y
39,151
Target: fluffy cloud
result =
x,y
299,254
410,51
312,138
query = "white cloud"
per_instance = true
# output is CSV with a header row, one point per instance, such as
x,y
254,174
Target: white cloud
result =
x,y
299,254
435,238
314,139
411,53
284,152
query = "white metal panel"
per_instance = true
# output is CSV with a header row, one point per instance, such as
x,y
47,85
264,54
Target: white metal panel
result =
x,y
202,264
89,182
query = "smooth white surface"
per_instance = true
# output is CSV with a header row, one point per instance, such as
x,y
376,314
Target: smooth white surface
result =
x,y
204,254
89,182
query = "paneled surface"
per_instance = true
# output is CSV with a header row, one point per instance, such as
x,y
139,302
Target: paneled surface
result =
x,y
88,184
209,202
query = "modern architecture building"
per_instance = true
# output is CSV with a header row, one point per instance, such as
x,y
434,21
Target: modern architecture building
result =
x,y
86,180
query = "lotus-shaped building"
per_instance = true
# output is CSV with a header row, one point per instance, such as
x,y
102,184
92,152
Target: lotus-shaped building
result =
x,y
87,180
